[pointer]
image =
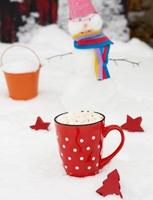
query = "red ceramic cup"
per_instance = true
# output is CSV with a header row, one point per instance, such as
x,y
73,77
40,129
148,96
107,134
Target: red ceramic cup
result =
x,y
80,146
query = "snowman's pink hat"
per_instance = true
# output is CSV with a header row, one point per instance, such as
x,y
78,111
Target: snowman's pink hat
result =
x,y
80,8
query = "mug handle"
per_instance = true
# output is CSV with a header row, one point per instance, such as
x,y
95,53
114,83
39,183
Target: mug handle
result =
x,y
106,131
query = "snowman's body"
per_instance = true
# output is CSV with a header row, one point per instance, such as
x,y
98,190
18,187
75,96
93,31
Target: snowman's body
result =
x,y
83,63
84,90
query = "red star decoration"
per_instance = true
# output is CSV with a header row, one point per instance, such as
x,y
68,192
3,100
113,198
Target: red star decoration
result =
x,y
40,125
111,185
133,125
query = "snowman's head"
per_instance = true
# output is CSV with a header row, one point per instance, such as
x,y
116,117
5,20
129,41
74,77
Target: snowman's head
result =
x,y
90,23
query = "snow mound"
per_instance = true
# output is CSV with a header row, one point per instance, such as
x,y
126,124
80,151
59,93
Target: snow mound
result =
x,y
53,37
19,58
134,48
21,66
30,163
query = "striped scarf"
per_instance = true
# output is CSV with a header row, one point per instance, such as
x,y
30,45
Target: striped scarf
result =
x,y
101,44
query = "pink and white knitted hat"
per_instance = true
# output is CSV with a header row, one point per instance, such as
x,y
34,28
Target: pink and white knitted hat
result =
x,y
80,8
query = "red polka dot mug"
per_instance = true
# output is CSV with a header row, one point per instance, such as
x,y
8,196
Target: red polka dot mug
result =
x,y
81,143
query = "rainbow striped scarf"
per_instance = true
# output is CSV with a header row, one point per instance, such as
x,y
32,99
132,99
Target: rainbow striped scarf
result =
x,y
101,44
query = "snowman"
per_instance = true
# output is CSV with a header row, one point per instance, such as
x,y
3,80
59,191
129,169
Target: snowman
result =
x,y
90,86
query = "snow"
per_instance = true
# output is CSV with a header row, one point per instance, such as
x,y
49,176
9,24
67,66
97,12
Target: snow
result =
x,y
30,165
19,59
29,28
21,66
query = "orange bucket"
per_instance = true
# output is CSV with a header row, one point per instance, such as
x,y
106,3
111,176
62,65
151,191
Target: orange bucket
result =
x,y
22,86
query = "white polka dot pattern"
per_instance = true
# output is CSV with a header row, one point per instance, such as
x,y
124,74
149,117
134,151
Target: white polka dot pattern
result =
x,y
75,150
64,147
93,158
69,158
66,139
81,158
93,137
81,140
77,167
88,148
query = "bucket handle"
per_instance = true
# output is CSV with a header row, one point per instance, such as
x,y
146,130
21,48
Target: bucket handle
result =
x,y
22,46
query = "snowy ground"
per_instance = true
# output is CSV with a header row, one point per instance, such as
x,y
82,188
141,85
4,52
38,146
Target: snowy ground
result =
x,y
30,166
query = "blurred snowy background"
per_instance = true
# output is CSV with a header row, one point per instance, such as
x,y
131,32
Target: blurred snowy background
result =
x,y
123,19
